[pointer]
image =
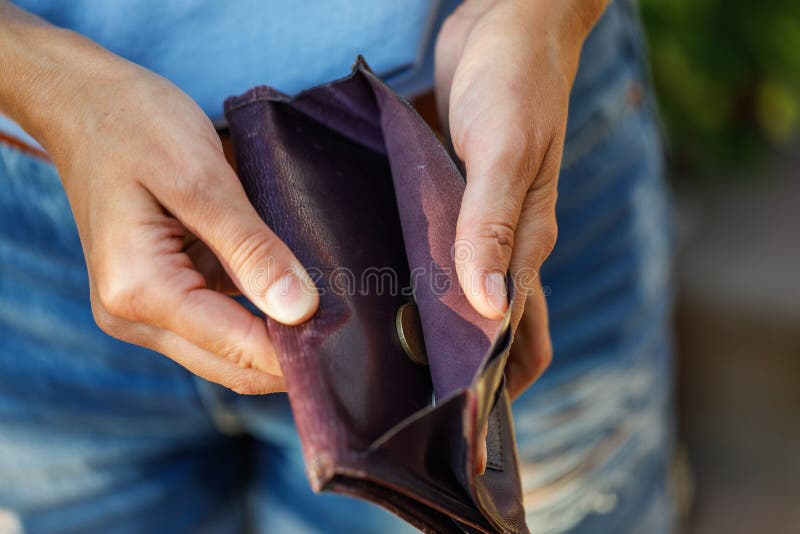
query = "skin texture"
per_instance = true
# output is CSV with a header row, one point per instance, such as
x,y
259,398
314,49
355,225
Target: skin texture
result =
x,y
144,172
504,71
168,232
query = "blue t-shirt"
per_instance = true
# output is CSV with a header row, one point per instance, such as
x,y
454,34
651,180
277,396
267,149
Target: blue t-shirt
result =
x,y
213,49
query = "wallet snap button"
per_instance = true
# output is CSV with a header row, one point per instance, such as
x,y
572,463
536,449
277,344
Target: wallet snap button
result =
x,y
409,331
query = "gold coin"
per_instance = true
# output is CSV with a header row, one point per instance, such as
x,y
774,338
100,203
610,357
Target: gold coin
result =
x,y
409,331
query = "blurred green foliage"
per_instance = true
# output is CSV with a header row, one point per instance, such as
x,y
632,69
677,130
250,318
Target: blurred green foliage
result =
x,y
727,74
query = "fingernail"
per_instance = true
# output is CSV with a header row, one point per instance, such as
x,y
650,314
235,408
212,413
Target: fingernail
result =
x,y
292,298
482,455
494,287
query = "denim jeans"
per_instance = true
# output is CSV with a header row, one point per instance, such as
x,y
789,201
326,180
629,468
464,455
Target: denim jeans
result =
x,y
100,436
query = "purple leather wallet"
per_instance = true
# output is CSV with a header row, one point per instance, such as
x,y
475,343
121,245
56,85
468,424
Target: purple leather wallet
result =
x,y
357,185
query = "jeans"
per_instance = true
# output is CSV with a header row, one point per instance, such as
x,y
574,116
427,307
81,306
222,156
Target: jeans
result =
x,y
100,436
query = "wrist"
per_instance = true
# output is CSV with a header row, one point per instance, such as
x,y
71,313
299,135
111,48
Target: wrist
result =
x,y
582,15
566,24
571,20
52,68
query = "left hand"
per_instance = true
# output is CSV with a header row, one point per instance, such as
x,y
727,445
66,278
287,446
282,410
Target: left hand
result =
x,y
504,71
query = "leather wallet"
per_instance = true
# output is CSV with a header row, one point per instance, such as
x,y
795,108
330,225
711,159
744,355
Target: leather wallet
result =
x,y
394,379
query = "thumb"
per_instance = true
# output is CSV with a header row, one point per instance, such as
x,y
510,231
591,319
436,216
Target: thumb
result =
x,y
498,179
262,267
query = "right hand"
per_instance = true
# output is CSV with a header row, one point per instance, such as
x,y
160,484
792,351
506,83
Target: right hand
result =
x,y
144,172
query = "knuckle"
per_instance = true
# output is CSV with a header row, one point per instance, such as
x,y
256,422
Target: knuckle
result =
x,y
103,319
453,21
120,297
546,355
192,186
538,359
549,237
541,361
252,251
236,356
243,384
539,242
197,180
499,236
460,19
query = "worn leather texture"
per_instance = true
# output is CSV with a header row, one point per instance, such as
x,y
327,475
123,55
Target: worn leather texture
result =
x,y
357,185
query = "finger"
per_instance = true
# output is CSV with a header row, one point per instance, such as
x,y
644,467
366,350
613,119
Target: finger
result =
x,y
537,229
499,175
532,350
216,209
144,278
193,358
210,267
482,454
216,323
246,381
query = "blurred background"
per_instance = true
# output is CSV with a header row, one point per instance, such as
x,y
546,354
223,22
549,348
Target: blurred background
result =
x,y
728,79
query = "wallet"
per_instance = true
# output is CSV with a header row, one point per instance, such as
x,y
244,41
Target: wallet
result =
x,y
394,380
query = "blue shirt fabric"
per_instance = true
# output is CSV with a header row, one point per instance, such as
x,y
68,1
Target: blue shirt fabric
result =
x,y
213,49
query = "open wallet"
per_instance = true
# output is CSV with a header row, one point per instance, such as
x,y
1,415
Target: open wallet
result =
x,y
394,380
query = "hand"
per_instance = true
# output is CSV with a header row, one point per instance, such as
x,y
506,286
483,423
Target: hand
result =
x,y
504,70
144,172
